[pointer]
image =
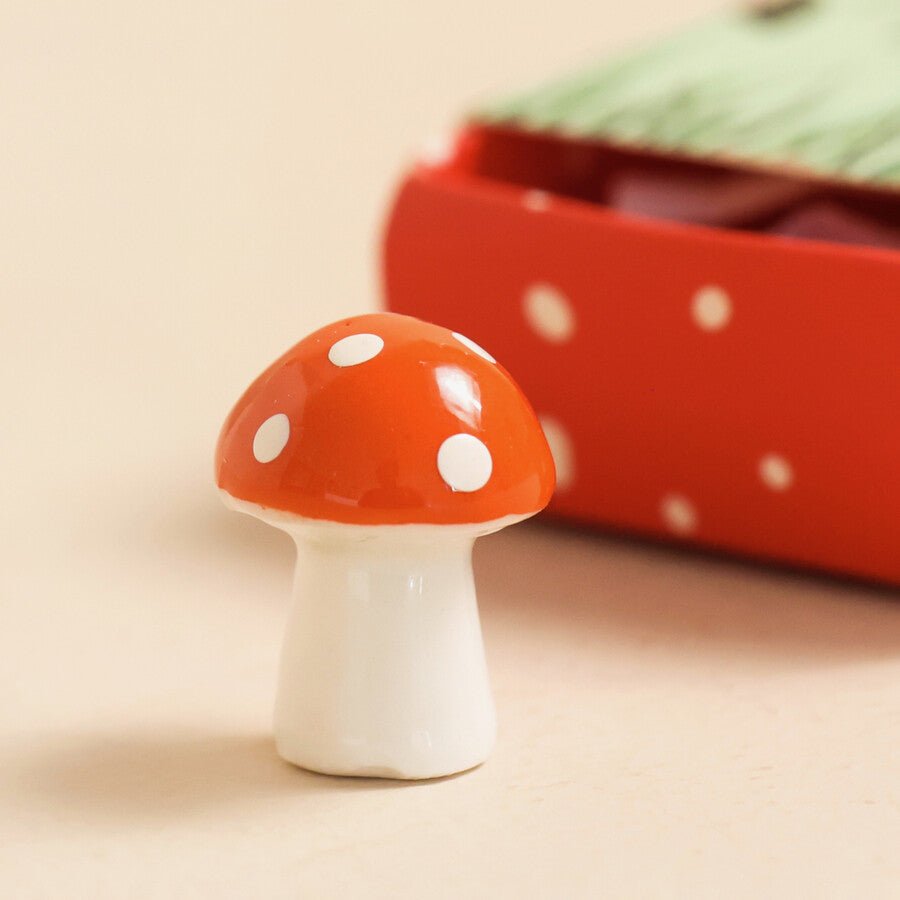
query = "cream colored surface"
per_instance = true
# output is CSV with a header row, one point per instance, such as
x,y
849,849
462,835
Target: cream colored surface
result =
x,y
186,188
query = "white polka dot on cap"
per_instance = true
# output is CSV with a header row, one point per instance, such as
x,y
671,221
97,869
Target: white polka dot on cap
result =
x,y
464,462
475,348
355,349
271,438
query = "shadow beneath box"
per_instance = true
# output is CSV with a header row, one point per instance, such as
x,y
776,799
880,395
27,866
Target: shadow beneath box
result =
x,y
151,778
558,578
562,580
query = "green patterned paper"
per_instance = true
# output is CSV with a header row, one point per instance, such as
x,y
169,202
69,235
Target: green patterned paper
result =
x,y
812,85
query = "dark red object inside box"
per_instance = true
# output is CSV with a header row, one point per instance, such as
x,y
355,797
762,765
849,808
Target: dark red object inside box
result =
x,y
728,386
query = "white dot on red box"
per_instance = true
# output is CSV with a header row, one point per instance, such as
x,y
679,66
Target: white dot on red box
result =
x,y
562,450
679,514
711,308
536,201
776,472
549,312
438,150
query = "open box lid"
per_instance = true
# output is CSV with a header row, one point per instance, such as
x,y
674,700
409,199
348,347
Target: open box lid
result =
x,y
810,87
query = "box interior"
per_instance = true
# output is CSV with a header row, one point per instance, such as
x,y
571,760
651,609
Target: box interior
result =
x,y
717,193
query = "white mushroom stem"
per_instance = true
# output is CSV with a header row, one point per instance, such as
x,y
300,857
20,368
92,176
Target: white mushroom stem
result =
x,y
383,670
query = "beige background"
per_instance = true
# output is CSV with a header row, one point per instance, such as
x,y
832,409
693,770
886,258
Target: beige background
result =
x,y
187,188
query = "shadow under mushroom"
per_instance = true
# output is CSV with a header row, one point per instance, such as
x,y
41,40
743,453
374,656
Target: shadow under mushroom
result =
x,y
149,778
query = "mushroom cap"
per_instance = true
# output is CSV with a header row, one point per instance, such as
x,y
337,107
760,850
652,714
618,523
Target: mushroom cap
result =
x,y
384,419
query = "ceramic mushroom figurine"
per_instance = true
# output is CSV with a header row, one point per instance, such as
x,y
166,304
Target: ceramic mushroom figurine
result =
x,y
384,446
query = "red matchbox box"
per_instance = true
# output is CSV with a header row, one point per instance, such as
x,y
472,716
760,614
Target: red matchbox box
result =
x,y
720,386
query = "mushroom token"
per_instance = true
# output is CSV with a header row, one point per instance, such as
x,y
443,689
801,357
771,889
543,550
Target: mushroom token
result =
x,y
384,446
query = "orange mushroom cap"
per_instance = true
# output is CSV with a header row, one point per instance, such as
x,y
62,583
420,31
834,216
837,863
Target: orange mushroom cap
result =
x,y
383,419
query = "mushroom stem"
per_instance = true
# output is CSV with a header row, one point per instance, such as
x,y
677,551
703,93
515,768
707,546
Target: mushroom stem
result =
x,y
383,670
